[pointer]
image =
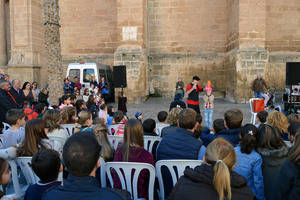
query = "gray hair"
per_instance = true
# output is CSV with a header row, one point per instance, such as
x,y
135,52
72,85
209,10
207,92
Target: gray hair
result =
x,y
14,81
2,82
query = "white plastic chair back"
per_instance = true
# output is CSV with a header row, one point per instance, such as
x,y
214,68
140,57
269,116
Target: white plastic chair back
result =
x,y
58,142
102,172
1,140
149,142
113,126
115,140
25,164
6,126
253,114
19,192
288,143
127,169
70,128
180,165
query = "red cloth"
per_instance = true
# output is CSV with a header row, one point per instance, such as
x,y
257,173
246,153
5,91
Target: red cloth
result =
x,y
258,105
136,154
78,85
30,114
192,102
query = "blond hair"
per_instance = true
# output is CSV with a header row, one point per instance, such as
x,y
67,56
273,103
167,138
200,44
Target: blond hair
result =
x,y
66,115
173,116
100,131
83,116
278,120
221,154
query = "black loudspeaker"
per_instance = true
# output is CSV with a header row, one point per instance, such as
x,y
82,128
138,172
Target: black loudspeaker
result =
x,y
292,73
119,76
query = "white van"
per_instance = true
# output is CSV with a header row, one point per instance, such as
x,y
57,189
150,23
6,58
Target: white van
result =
x,y
85,72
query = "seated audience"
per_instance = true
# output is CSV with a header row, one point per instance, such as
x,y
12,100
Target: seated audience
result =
x,y
46,165
40,109
233,121
73,99
172,121
199,128
274,152
35,138
5,174
65,101
29,112
214,179
81,158
67,115
78,96
14,135
80,106
287,182
92,106
51,117
103,112
120,120
162,118
139,116
292,129
177,103
43,97
293,118
279,121
149,127
132,150
261,118
84,122
86,94
110,112
249,162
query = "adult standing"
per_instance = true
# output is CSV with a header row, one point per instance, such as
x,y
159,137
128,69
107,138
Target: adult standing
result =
x,y
179,92
17,93
104,89
77,84
7,101
29,93
93,82
258,86
35,89
43,97
193,90
68,88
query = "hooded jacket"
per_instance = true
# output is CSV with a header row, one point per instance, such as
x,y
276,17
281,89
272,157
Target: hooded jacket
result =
x,y
272,162
197,184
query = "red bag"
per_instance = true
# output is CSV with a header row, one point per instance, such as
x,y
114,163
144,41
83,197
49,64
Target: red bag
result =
x,y
258,105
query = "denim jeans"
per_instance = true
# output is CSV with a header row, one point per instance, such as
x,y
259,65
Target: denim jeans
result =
x,y
258,94
208,113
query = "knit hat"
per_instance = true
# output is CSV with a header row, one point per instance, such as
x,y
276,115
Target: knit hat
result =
x,y
208,87
137,114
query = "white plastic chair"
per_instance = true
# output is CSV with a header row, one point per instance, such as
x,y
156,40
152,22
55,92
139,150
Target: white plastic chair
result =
x,y
6,126
102,172
288,144
115,140
125,177
19,192
149,141
180,165
113,126
70,128
58,142
253,114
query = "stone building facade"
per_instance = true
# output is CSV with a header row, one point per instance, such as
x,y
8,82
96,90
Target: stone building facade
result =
x,y
225,41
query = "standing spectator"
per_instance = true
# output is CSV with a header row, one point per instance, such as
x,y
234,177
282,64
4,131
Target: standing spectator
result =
x,y
93,82
258,86
92,106
29,94
68,89
132,150
274,152
179,88
214,179
17,93
7,101
35,89
208,106
193,90
287,182
86,94
77,84
279,121
162,118
104,89
122,100
249,162
43,97
172,121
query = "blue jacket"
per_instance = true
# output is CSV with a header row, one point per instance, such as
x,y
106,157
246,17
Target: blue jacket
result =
x,y
36,191
79,188
231,135
167,130
249,166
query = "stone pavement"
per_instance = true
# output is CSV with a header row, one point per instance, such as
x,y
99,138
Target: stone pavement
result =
x,y
152,106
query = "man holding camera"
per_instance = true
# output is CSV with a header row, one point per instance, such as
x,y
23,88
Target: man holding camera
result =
x,y
193,90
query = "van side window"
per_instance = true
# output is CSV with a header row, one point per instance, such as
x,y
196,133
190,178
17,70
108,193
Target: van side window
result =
x,y
73,73
88,74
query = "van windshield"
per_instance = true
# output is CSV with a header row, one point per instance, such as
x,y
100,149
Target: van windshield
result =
x,y
73,73
88,74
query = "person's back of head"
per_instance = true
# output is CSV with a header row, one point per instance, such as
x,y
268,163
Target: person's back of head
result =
x,y
248,141
269,138
81,154
292,130
172,118
83,117
233,118
51,117
218,125
278,120
14,116
118,116
149,125
162,116
262,116
221,155
101,132
67,115
79,103
294,154
133,135
110,111
103,106
198,130
46,165
187,119
293,117
27,104
40,108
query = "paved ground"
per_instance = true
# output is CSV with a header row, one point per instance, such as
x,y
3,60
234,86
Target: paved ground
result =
x,y
151,107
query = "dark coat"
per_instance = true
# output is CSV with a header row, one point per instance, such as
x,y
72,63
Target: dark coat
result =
x,y
197,184
176,104
258,85
94,110
272,162
6,103
231,135
19,97
167,130
287,185
43,98
78,188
